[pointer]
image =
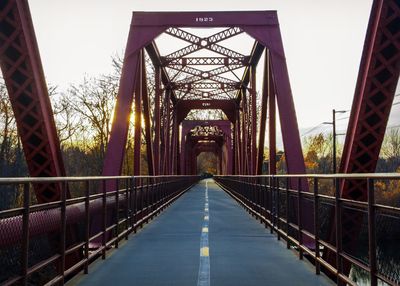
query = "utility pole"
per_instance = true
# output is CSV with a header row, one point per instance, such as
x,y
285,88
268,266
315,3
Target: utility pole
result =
x,y
333,123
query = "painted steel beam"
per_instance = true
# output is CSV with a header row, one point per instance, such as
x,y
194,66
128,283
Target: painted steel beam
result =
x,y
253,125
157,121
254,58
146,116
207,61
228,106
263,115
206,85
138,117
216,94
155,58
209,43
24,77
213,74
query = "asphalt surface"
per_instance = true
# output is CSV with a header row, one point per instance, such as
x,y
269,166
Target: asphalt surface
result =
x,y
167,250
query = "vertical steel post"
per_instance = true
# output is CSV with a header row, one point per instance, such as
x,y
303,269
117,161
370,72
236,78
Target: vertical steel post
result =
x,y
244,133
138,119
253,137
174,141
167,136
146,116
263,116
162,134
272,121
239,143
157,123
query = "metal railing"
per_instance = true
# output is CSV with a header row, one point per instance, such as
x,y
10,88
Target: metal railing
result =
x,y
45,244
303,219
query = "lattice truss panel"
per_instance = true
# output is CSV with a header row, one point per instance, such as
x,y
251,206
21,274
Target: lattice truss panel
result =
x,y
374,94
206,67
375,91
23,74
206,131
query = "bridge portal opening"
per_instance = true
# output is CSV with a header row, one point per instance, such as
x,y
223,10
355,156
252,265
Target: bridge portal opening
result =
x,y
207,163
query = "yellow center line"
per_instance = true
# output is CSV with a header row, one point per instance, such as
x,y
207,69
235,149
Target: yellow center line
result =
x,y
204,252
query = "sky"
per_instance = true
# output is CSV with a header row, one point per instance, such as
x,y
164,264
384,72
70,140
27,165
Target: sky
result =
x,y
323,42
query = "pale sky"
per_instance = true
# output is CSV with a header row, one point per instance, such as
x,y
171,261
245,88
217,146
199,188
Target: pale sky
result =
x,y
323,42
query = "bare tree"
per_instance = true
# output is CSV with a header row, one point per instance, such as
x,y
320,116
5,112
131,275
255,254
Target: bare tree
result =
x,y
7,122
390,152
391,144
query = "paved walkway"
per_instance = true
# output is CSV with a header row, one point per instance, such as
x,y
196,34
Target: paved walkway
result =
x,y
202,243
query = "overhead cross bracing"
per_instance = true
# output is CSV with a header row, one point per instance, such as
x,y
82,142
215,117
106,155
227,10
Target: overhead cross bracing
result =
x,y
208,66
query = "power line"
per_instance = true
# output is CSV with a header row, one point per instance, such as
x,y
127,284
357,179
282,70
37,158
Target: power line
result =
x,y
312,129
343,118
393,126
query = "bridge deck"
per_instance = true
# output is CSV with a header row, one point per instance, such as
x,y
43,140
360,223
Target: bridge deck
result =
x,y
167,251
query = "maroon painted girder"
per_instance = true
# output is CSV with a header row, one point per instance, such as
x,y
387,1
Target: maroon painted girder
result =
x,y
23,74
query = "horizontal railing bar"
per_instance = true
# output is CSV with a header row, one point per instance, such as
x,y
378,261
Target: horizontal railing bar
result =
x,y
43,264
325,176
13,180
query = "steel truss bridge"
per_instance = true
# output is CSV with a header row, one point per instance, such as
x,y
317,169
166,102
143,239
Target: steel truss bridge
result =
x,y
78,229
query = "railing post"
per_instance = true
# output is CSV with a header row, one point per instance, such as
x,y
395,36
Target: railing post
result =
x,y
25,235
104,231
127,207
261,192
270,194
338,231
135,203
265,201
372,233
287,213
299,220
63,228
260,198
277,208
116,214
273,210
316,226
148,200
87,227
